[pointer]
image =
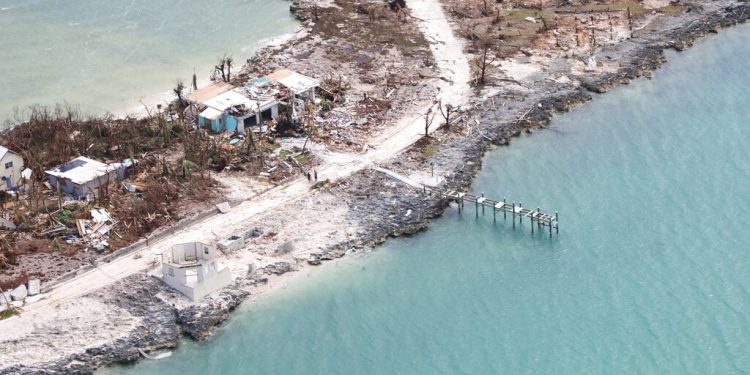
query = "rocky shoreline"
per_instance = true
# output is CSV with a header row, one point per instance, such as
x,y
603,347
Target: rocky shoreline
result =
x,y
372,200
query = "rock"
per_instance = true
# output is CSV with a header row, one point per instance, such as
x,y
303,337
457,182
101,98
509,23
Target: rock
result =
x,y
5,298
35,287
286,247
199,321
223,207
36,298
19,293
278,268
314,260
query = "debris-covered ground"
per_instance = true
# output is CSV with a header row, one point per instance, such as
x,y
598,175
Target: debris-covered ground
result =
x,y
373,62
523,89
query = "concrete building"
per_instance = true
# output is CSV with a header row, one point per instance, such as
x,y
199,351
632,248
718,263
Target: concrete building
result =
x,y
296,88
192,269
82,176
11,166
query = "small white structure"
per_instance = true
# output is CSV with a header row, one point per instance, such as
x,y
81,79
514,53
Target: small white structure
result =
x,y
11,166
192,269
299,84
82,176
300,88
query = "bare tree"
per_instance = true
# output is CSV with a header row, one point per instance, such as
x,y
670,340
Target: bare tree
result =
x,y
228,60
220,69
178,90
428,117
484,59
224,68
449,109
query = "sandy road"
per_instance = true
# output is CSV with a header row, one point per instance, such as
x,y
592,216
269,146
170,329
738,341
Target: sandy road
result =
x,y
454,66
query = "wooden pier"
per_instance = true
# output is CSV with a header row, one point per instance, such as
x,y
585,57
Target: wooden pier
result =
x,y
536,217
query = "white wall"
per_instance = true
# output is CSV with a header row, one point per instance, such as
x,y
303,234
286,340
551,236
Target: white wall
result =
x,y
12,175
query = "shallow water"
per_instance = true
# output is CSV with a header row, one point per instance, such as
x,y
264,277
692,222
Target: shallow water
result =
x,y
108,55
648,274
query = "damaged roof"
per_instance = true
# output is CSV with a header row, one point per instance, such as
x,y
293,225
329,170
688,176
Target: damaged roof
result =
x,y
4,151
296,82
208,92
82,170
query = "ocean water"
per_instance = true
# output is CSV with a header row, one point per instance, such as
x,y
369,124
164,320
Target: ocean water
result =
x,y
649,274
107,56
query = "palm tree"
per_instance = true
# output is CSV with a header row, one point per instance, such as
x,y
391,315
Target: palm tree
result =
x,y
178,89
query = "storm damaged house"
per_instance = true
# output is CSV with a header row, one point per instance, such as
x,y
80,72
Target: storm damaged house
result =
x,y
83,177
294,87
226,108
193,270
11,166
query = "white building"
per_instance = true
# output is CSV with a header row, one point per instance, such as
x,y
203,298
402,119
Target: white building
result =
x,y
82,176
11,166
192,269
299,87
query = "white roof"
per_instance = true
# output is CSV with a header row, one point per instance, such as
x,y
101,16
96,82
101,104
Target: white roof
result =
x,y
211,114
82,170
296,82
220,103
4,151
228,99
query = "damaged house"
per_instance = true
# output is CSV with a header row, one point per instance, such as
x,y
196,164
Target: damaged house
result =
x,y
193,270
225,108
257,105
11,166
83,177
295,88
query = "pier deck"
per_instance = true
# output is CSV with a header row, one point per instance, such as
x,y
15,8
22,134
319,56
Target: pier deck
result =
x,y
536,217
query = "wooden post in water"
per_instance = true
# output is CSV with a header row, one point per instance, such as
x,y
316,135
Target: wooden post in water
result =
x,y
482,204
514,215
505,213
538,222
476,206
557,224
532,224
520,217
550,229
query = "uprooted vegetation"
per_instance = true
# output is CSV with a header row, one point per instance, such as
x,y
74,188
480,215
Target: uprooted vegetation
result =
x,y
171,175
373,64
552,28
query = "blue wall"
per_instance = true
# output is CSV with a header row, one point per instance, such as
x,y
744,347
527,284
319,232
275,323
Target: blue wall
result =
x,y
227,123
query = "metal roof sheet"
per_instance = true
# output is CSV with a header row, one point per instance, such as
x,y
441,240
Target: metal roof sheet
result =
x,y
209,92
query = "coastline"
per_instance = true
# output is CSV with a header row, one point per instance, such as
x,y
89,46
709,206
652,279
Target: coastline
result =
x,y
149,102
458,158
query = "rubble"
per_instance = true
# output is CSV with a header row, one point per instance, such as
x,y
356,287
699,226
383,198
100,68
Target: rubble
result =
x,y
232,243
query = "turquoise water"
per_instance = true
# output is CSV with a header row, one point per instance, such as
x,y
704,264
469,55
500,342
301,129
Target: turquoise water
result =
x,y
108,55
649,274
